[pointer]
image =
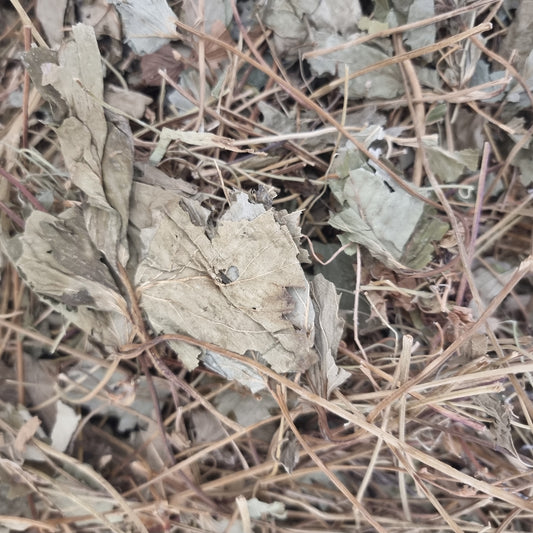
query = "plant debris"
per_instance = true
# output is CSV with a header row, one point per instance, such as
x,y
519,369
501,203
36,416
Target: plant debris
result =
x,y
266,266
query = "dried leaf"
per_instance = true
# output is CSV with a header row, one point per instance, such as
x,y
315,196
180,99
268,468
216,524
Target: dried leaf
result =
x,y
133,103
61,264
234,371
246,409
67,421
291,19
495,409
98,155
37,61
394,226
231,290
25,433
194,138
449,166
51,14
147,24
383,83
325,375
424,36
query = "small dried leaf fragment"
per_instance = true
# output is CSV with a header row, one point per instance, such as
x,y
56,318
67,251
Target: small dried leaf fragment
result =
x,y
325,375
147,24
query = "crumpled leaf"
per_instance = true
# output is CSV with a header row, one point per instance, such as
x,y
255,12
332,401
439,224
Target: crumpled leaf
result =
x,y
239,285
133,103
245,409
37,61
61,263
71,259
325,375
234,371
394,226
449,166
51,14
291,19
194,138
495,409
129,404
232,290
214,11
98,154
147,24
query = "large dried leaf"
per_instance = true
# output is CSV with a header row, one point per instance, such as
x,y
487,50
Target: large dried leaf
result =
x,y
239,286
232,290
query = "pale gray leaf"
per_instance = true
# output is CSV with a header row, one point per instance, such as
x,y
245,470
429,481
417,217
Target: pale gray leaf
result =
x,y
383,83
234,371
147,24
394,226
325,375
424,36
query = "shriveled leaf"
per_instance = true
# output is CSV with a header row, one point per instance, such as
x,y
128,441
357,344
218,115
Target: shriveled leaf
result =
x,y
214,11
130,403
97,14
133,103
289,29
325,375
449,166
51,14
231,290
246,409
290,21
147,24
146,173
234,371
98,154
25,433
60,262
194,138
494,407
395,227
38,61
